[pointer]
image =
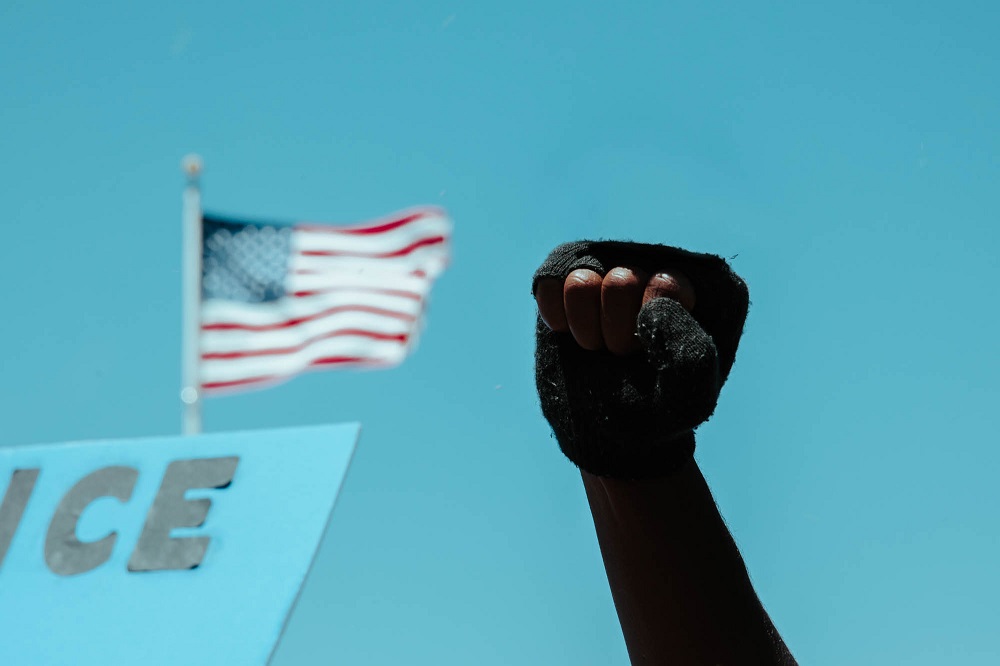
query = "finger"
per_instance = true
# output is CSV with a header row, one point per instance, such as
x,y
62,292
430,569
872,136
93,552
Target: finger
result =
x,y
673,285
549,297
621,298
582,300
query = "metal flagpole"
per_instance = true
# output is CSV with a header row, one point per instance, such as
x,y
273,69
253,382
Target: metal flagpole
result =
x,y
191,353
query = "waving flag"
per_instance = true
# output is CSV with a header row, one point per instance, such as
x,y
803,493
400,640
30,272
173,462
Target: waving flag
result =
x,y
278,300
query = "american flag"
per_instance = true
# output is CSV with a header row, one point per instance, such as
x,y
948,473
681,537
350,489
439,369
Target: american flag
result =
x,y
281,299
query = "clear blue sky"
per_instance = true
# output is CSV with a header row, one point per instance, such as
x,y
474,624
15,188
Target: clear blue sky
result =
x,y
847,152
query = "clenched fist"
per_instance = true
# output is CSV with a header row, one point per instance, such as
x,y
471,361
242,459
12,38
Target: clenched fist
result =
x,y
633,344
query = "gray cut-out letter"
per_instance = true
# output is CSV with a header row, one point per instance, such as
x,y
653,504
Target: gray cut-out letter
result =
x,y
22,482
156,550
65,554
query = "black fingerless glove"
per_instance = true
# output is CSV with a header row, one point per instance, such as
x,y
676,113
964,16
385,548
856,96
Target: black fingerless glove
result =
x,y
634,416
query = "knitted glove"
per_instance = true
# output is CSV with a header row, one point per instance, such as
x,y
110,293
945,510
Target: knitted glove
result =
x,y
634,416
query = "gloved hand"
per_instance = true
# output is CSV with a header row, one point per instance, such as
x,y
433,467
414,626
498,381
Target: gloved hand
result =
x,y
634,342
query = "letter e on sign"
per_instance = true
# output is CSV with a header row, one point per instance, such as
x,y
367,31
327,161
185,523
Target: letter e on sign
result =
x,y
156,550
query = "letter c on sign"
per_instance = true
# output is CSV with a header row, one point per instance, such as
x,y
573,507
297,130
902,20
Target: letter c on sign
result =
x,y
65,554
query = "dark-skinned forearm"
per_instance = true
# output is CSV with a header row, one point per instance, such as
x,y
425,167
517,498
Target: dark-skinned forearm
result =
x,y
679,583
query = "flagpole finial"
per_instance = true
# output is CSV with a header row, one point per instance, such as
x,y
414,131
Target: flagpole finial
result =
x,y
192,166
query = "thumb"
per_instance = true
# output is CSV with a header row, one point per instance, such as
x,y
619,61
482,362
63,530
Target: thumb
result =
x,y
685,359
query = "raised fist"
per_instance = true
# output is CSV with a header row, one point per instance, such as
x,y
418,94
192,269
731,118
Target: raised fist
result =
x,y
633,345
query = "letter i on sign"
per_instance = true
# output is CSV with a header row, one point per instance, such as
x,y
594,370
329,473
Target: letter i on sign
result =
x,y
22,482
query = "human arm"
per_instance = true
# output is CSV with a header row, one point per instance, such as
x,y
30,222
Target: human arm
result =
x,y
680,586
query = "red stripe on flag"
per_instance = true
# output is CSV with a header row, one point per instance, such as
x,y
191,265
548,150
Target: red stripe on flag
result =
x,y
289,323
237,383
252,382
368,290
278,351
339,360
312,271
362,231
402,252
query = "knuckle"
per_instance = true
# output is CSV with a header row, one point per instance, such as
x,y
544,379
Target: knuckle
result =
x,y
665,284
582,280
621,278
547,289
674,286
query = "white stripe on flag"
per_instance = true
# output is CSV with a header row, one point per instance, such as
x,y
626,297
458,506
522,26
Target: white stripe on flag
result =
x,y
218,313
274,368
427,259
361,280
238,341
